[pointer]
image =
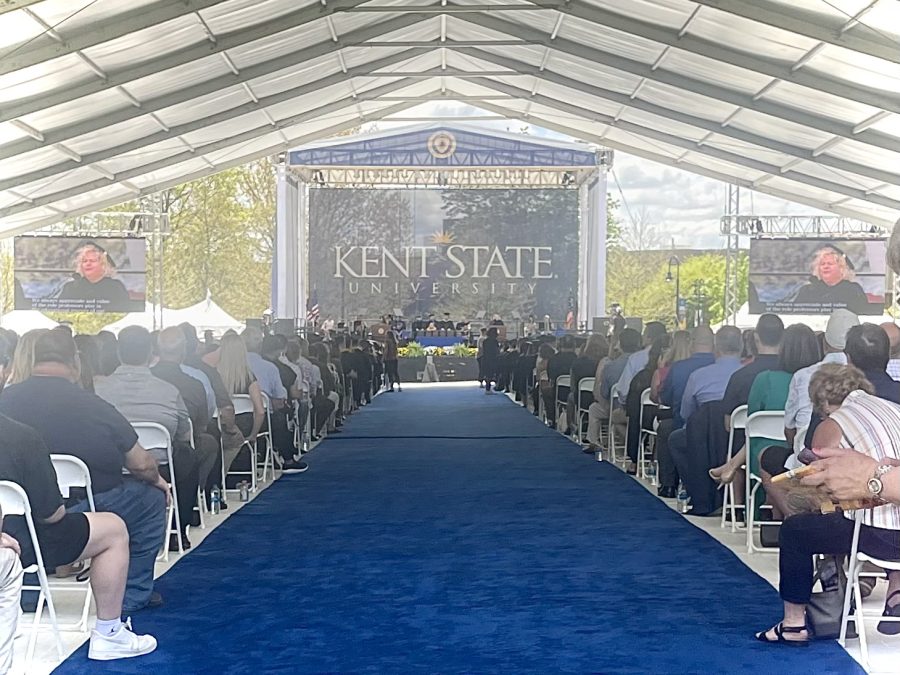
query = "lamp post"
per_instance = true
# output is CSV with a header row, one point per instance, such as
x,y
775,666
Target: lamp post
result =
x,y
676,263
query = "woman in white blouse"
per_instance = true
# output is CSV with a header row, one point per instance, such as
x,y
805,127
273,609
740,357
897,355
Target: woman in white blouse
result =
x,y
870,425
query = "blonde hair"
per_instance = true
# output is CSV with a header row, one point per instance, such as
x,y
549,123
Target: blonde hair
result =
x,y
680,349
108,269
832,383
841,258
233,367
23,358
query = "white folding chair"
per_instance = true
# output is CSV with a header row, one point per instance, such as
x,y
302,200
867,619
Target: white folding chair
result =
x,y
859,618
611,429
764,424
269,458
154,436
646,442
585,386
729,506
14,502
243,405
71,472
561,381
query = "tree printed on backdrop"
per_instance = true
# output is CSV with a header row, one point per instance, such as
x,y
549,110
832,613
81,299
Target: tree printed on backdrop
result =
x,y
460,252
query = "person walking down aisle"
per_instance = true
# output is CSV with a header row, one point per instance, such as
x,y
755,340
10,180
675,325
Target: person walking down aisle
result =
x,y
390,362
490,355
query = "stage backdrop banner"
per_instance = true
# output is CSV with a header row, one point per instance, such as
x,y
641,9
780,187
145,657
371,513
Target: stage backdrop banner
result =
x,y
76,274
817,276
461,252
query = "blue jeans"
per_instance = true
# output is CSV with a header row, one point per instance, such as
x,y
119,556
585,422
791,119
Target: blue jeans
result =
x,y
143,508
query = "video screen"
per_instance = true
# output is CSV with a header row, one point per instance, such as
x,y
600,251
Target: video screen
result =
x,y
78,274
817,276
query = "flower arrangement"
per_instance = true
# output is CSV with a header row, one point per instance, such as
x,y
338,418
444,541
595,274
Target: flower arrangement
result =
x,y
416,350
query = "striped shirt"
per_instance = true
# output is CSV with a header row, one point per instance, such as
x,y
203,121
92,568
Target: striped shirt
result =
x,y
871,425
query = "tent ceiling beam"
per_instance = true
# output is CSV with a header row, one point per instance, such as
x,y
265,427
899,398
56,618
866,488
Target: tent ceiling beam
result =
x,y
177,131
708,125
210,86
452,44
716,51
12,5
809,24
202,150
110,29
700,87
538,5
693,146
669,160
219,166
181,57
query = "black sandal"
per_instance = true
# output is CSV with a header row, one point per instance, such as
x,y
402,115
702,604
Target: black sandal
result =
x,y
780,629
890,627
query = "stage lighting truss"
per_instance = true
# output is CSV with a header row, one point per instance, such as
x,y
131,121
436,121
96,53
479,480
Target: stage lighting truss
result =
x,y
444,177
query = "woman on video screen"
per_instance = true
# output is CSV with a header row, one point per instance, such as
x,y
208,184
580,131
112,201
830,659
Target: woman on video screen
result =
x,y
832,283
93,278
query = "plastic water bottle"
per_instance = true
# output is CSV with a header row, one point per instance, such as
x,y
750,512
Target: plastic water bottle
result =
x,y
683,501
214,500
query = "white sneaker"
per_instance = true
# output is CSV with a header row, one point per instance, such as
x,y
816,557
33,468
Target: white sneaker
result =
x,y
123,644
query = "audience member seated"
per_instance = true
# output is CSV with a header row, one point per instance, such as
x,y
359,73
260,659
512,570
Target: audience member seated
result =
x,y
558,365
767,337
606,376
171,347
893,332
671,394
633,408
272,349
543,388
585,365
633,366
327,399
71,421
238,379
799,349
65,538
221,407
705,385
523,370
142,397
310,380
679,350
10,590
798,407
869,425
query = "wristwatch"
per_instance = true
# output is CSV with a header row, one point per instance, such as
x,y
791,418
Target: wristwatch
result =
x,y
875,485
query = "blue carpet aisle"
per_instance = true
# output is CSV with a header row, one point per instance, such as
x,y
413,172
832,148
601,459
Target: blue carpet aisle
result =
x,y
447,531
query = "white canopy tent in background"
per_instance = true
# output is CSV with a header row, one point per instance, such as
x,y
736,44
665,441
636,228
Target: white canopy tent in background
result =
x,y
204,315
23,320
744,319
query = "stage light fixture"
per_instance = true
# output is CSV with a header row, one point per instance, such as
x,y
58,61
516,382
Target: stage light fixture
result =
x,y
758,225
567,179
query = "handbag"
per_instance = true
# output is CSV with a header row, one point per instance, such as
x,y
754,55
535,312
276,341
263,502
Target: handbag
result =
x,y
826,608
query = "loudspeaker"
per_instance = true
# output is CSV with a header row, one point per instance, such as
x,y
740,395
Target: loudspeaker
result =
x,y
601,325
286,327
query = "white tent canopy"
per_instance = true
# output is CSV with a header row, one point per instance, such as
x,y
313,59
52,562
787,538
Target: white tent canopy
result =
x,y
23,320
795,98
204,315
